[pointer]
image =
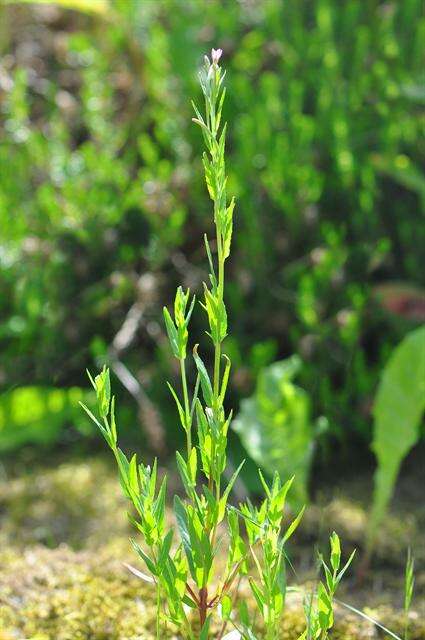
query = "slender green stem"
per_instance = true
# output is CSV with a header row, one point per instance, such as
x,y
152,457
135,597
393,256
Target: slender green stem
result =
x,y
234,599
270,632
217,356
189,631
186,407
158,610
220,274
220,286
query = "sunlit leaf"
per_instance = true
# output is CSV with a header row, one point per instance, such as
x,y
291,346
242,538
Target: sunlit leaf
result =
x,y
275,428
398,409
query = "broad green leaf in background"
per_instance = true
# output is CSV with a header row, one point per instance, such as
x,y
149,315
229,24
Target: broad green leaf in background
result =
x,y
37,414
398,409
275,425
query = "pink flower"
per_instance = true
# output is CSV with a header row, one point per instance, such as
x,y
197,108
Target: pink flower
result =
x,y
216,55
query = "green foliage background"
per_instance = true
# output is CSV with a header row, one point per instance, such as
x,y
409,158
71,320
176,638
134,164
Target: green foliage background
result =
x,y
103,206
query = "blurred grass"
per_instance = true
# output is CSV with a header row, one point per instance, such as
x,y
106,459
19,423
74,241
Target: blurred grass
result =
x,y
102,201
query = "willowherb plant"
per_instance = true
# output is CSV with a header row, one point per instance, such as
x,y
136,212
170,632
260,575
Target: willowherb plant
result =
x,y
192,583
319,609
409,584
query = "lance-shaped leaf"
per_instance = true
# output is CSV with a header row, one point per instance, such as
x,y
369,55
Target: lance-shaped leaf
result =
x,y
172,333
206,386
226,493
217,315
182,414
182,523
228,228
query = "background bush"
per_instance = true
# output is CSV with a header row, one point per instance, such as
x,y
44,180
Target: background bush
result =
x,y
102,200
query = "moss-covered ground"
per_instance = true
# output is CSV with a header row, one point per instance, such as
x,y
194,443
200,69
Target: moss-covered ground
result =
x,y
64,538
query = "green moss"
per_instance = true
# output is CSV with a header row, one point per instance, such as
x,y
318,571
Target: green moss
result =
x,y
74,503
79,589
67,595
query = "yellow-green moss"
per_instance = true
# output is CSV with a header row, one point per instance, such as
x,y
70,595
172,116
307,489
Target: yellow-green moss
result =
x,y
74,503
61,594
81,590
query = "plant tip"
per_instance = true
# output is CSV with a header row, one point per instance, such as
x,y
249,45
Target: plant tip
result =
x,y
216,55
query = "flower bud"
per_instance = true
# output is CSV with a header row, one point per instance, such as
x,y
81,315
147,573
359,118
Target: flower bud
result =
x,y
216,55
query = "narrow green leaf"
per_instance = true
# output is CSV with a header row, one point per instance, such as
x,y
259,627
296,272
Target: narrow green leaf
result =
x,y
205,380
192,466
210,262
226,606
159,504
257,593
132,474
229,487
335,551
184,474
294,524
165,548
113,429
92,417
205,629
149,563
182,523
225,379
344,569
172,333
182,414
91,379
